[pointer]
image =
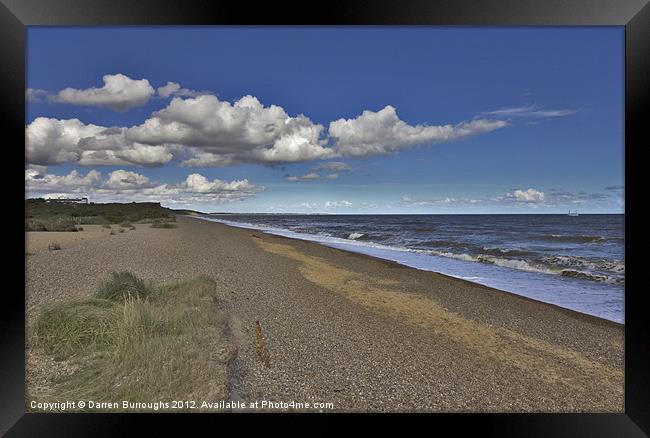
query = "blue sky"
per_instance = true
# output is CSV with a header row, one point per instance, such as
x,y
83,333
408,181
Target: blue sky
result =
x,y
532,118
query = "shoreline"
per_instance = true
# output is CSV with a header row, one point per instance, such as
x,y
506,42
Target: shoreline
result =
x,y
378,258
364,333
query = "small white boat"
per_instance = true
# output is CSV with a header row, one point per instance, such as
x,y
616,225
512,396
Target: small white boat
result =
x,y
573,213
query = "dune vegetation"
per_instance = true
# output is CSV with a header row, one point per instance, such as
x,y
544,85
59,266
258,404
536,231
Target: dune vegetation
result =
x,y
135,341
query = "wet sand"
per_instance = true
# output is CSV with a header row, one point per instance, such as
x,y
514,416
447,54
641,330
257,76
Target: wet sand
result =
x,y
362,333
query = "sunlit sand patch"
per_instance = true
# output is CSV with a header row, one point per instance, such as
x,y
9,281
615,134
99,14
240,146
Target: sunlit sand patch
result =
x,y
551,363
38,241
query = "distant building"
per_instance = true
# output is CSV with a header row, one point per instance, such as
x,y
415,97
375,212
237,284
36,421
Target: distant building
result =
x,y
69,200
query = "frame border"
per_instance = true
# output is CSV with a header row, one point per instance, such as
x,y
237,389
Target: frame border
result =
x,y
15,15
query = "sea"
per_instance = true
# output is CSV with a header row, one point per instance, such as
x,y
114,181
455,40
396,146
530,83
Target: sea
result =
x,y
575,262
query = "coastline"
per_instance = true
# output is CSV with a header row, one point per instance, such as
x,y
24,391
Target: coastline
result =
x,y
582,297
366,333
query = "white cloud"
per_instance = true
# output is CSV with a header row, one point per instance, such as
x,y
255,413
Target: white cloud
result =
x,y
73,181
53,141
530,195
169,89
122,185
119,93
308,177
408,201
174,89
34,95
383,132
530,198
204,131
220,133
125,180
338,204
531,111
197,183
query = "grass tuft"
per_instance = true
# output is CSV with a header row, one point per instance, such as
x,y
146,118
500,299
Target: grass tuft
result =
x,y
169,345
123,286
159,224
51,224
72,328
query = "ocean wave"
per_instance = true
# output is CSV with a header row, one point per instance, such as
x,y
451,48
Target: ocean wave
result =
x,y
505,251
544,268
596,264
440,243
589,276
572,238
591,269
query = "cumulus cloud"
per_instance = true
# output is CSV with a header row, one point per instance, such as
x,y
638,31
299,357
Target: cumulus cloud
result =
x,y
383,132
204,131
169,89
530,195
219,133
52,141
119,93
73,181
175,89
125,180
123,185
35,95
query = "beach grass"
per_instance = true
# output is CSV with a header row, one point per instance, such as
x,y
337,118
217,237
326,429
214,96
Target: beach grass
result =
x,y
137,342
161,224
59,223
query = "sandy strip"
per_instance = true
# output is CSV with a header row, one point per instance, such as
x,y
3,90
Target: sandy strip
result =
x,y
39,241
362,333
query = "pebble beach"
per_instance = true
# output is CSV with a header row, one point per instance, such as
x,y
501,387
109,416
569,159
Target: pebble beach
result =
x,y
361,333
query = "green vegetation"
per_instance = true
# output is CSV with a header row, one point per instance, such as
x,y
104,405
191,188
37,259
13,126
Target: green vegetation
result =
x,y
57,216
161,224
137,342
123,285
54,223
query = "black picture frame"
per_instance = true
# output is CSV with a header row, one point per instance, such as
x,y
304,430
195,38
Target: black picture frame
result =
x,y
15,15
